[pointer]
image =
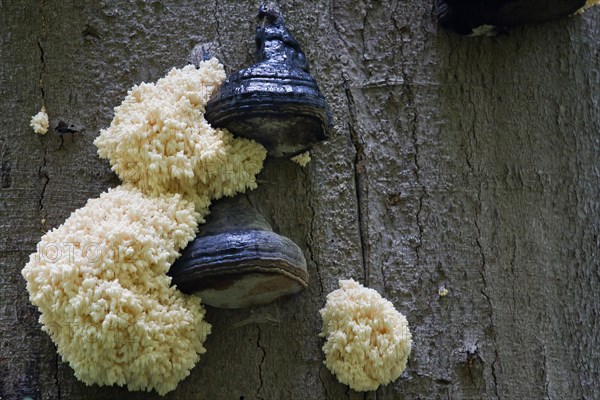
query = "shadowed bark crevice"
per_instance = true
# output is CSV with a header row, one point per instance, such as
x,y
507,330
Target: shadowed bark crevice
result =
x,y
359,183
311,240
261,363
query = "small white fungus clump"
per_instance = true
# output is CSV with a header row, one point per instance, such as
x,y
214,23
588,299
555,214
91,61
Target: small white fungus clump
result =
x,y
588,4
39,122
367,340
302,159
100,283
160,141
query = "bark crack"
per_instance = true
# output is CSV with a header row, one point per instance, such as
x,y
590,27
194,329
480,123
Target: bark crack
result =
x,y
46,178
345,44
483,270
42,170
545,372
56,376
359,170
311,231
41,37
42,66
473,144
362,38
323,383
412,124
493,368
217,24
260,365
417,172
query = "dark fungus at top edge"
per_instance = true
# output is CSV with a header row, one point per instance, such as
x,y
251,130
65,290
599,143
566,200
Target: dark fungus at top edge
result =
x,y
275,101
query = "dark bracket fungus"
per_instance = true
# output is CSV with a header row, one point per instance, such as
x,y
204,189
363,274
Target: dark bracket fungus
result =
x,y
488,17
275,102
238,261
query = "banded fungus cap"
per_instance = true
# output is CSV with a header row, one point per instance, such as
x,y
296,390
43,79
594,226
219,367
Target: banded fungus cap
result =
x,y
238,261
476,17
276,101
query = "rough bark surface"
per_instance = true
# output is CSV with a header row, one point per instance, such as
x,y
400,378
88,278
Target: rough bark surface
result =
x,y
465,163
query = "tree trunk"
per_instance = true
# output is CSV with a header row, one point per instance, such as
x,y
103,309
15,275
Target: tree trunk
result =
x,y
470,164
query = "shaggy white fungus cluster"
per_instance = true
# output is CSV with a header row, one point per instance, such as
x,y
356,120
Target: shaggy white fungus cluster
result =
x,y
39,122
591,3
100,283
302,159
367,340
588,4
100,279
160,141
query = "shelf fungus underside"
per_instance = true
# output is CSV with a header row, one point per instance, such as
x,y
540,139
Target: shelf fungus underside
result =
x,y
238,261
476,17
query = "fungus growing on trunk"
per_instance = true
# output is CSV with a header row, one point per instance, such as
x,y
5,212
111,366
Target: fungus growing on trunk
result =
x,y
367,339
302,159
588,4
275,101
99,279
488,17
238,261
160,142
39,122
100,283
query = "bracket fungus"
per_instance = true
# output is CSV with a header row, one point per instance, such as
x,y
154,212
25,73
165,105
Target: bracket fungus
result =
x,y
367,340
99,279
477,17
275,101
238,261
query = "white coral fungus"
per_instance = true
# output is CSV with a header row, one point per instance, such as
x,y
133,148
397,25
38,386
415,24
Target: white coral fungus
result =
x,y
302,159
367,340
39,122
100,279
160,141
588,4
100,283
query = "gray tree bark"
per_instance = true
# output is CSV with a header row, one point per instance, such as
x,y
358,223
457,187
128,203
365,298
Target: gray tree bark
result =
x,y
470,164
